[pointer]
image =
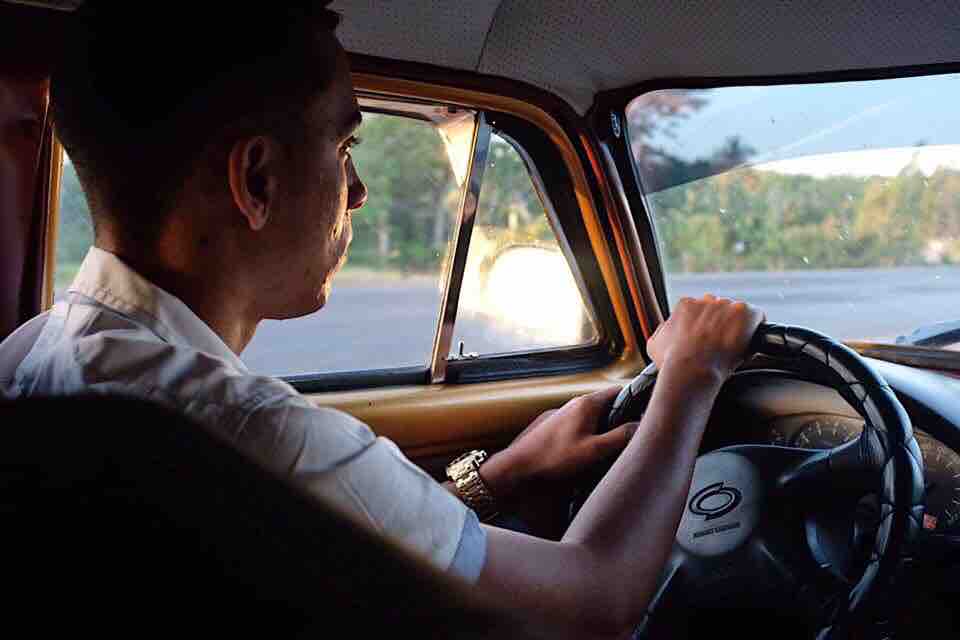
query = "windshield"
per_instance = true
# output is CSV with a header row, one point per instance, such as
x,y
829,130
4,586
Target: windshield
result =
x,y
835,206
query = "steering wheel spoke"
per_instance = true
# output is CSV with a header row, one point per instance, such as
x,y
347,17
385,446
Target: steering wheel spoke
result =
x,y
809,581
848,469
668,595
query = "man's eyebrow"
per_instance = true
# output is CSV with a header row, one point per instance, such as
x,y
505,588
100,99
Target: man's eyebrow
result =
x,y
352,123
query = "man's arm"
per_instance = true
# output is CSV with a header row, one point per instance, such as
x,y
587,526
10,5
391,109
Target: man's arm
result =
x,y
532,478
599,578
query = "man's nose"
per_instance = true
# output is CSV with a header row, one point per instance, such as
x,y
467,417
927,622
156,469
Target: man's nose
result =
x,y
356,190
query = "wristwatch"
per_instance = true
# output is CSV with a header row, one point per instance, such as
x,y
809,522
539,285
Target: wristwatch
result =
x,y
465,474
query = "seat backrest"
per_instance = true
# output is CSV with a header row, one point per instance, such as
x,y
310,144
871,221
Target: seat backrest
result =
x,y
127,519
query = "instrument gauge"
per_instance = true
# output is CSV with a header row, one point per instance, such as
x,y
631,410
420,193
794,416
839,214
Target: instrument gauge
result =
x,y
941,479
827,432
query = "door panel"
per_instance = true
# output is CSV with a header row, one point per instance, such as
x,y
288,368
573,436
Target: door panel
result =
x,y
443,420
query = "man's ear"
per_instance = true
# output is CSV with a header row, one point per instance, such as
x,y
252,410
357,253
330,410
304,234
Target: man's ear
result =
x,y
252,169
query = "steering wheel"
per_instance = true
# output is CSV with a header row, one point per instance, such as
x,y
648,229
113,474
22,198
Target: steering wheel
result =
x,y
755,525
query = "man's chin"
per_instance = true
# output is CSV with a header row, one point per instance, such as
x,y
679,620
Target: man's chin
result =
x,y
305,307
323,295
314,303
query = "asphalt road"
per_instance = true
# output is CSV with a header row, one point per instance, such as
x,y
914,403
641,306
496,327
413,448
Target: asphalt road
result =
x,y
368,326
373,324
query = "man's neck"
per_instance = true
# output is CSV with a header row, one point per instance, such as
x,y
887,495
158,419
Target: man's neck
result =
x,y
214,296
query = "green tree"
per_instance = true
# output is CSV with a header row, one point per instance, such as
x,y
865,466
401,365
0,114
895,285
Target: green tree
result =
x,y
75,229
412,195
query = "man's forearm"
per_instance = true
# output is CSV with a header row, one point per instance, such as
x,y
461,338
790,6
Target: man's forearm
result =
x,y
629,522
604,571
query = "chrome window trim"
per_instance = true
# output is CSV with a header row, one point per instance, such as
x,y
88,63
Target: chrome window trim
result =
x,y
469,200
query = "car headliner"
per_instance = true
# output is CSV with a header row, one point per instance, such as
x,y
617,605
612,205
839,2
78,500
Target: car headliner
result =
x,y
577,48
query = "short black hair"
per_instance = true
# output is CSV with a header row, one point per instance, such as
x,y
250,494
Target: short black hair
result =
x,y
141,90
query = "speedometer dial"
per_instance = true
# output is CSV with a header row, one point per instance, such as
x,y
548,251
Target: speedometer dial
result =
x,y
941,463
941,484
827,432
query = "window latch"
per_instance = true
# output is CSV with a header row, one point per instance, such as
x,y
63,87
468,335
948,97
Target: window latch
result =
x,y
460,355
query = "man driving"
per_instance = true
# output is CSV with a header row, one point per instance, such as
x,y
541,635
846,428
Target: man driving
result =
x,y
221,189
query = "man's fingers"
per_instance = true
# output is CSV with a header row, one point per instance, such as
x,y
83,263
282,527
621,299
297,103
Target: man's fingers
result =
x,y
591,407
543,416
605,396
594,407
612,442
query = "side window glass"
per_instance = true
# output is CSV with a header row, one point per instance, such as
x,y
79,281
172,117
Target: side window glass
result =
x,y
74,229
519,292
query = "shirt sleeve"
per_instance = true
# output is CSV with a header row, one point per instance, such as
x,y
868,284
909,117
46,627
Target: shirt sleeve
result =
x,y
339,459
472,551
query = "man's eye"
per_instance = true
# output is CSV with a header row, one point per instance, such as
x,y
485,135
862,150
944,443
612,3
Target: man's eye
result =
x,y
351,143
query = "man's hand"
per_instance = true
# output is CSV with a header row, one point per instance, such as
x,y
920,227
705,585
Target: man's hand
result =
x,y
533,476
709,336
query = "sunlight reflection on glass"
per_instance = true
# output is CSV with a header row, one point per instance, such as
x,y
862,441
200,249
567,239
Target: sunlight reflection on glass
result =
x,y
530,292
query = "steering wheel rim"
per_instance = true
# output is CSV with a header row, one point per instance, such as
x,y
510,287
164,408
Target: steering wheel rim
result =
x,y
886,451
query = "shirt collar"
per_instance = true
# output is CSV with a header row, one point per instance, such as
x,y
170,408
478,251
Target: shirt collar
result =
x,y
106,279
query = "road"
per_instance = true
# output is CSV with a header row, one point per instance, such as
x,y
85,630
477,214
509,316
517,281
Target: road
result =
x,y
372,324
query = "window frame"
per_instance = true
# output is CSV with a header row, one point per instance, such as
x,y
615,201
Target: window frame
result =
x,y
551,179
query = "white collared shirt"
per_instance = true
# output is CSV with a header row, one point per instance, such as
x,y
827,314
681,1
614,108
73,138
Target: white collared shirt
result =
x,y
117,333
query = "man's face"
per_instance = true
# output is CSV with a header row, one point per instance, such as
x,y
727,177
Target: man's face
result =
x,y
316,200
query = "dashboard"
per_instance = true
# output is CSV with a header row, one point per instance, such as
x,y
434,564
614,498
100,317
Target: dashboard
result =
x,y
771,406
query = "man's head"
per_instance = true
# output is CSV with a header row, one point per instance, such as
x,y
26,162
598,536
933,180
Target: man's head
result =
x,y
228,144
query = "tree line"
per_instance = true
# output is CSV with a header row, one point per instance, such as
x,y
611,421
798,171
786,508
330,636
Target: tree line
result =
x,y
738,219
411,210
755,220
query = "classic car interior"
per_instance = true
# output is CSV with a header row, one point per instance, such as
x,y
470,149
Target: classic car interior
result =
x,y
570,145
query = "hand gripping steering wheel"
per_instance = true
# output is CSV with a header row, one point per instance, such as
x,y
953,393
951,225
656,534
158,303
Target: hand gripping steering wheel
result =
x,y
749,529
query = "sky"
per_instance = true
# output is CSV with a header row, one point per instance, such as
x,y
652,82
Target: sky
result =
x,y
855,128
873,162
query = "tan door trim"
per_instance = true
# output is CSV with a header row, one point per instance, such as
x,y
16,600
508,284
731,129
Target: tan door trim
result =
x,y
438,419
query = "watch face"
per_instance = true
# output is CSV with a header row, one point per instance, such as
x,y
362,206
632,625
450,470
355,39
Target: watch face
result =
x,y
465,473
469,461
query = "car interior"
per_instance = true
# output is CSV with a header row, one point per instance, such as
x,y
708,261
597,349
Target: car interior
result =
x,y
565,173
